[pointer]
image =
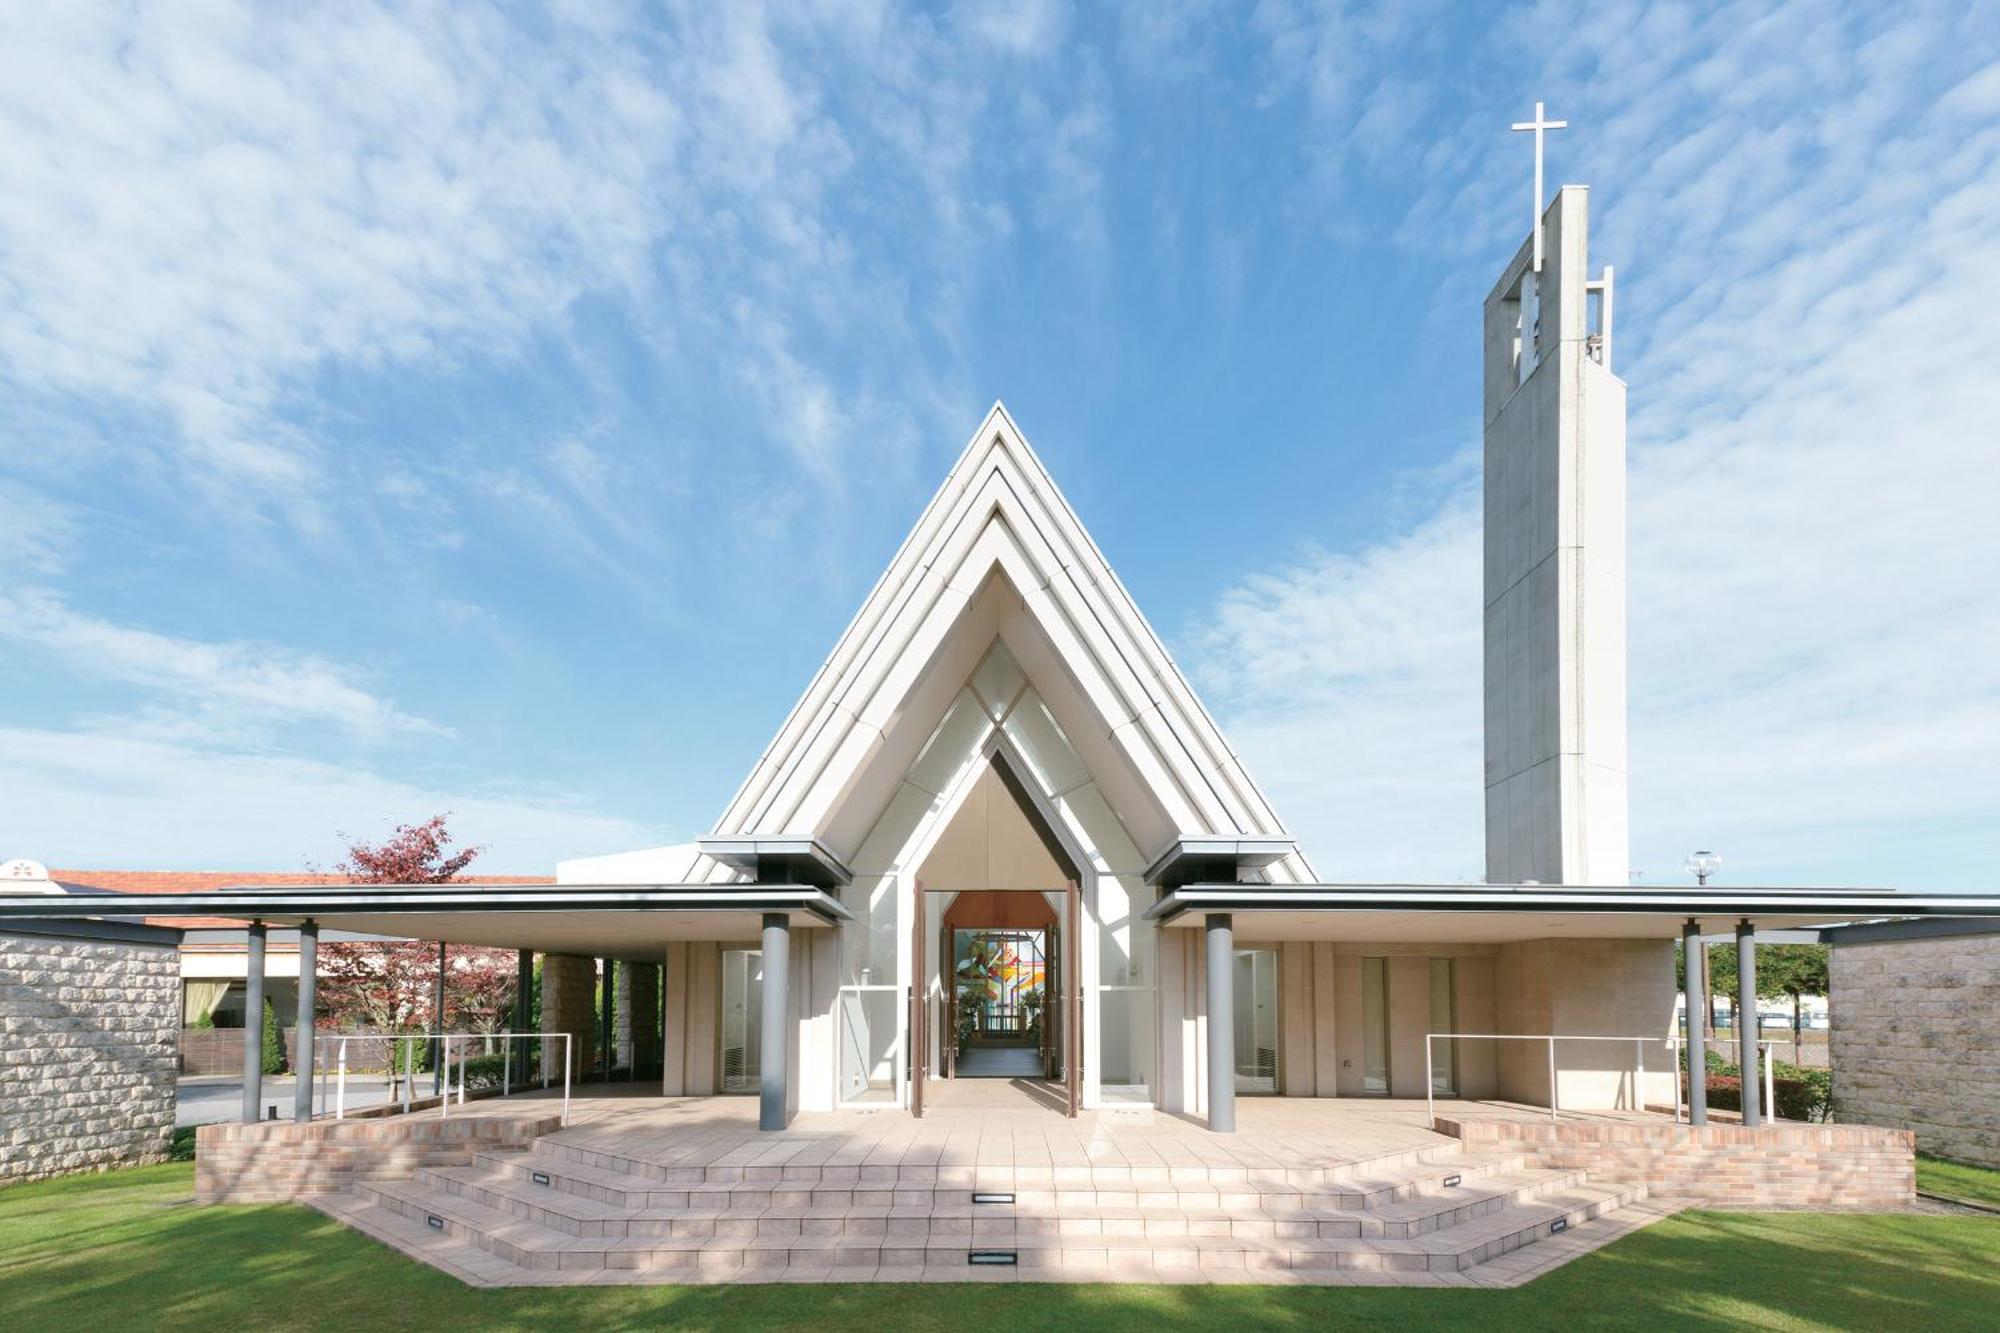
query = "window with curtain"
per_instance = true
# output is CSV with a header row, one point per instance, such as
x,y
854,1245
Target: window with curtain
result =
x,y
200,1000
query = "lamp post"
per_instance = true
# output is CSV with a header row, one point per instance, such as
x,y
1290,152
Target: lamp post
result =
x,y
1701,865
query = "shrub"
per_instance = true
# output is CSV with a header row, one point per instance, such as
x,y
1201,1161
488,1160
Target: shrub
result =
x,y
488,1071
1818,1084
1795,1098
274,1042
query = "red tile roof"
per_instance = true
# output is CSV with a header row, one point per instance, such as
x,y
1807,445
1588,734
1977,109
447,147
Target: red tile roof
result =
x,y
198,881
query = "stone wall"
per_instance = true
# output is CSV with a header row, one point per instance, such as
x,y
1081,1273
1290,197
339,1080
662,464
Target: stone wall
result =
x,y
276,1161
1615,988
1916,1040
635,1018
1717,1165
569,1004
88,1024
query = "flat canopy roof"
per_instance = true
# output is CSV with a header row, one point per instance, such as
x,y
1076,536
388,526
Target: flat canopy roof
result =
x,y
1503,913
598,920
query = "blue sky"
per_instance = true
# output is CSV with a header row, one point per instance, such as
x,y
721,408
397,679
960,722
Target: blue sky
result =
x,y
503,411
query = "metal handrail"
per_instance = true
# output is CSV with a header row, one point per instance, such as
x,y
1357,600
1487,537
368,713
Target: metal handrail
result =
x,y
1672,1040
409,1057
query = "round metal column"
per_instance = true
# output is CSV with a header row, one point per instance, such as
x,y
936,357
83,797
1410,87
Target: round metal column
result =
x,y
1697,1009
1221,1023
774,1056
302,1102
1748,1029
253,1026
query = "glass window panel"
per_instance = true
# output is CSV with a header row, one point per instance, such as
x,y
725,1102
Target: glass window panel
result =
x,y
1125,1058
1444,1018
1375,1025
868,1029
1256,1014
1125,994
742,1018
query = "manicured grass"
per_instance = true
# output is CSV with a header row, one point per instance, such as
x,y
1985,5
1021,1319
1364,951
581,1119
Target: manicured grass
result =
x,y
1958,1180
130,1250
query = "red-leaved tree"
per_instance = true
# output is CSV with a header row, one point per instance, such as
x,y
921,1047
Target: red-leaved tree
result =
x,y
390,985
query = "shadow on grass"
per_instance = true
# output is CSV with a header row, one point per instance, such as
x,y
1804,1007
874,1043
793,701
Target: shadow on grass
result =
x,y
125,1250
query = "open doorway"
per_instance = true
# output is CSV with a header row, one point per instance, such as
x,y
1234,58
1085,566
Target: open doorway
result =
x,y
1000,1015
995,943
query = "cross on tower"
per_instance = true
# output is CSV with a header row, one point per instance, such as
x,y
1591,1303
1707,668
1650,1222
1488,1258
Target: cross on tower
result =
x,y
1539,125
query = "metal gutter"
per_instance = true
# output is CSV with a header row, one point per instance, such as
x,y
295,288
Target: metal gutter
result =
x,y
115,930
1874,932
1836,903
298,902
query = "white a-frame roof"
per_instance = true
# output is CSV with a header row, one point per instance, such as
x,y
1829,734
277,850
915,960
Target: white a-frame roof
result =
x,y
1000,556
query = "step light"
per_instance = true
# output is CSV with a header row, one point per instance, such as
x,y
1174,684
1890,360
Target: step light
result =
x,y
539,1177
1453,1182
1560,1224
1005,1258
436,1222
979,1197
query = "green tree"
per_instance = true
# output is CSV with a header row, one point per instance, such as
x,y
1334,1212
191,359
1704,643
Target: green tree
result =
x,y
1794,971
274,1042
1722,979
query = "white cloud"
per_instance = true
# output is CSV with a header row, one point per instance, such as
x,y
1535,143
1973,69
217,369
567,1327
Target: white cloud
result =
x,y
204,687
1808,270
205,205
1018,27
85,799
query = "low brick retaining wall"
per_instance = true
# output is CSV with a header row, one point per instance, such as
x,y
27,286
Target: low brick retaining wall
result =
x,y
1719,1165
278,1161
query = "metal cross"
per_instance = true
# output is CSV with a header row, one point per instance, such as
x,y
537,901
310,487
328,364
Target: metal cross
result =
x,y
1539,124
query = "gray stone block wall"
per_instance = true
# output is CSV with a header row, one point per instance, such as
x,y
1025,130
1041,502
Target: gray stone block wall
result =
x,y
1915,1041
87,1053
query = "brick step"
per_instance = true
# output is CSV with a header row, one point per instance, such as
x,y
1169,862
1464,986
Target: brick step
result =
x,y
878,1176
534,1246
517,1196
1373,1184
459,1256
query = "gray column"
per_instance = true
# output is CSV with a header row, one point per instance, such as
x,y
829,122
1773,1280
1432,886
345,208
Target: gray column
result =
x,y
253,1026
524,993
607,1001
1221,1023
302,1101
774,1061
1697,1007
1747,1030
437,1043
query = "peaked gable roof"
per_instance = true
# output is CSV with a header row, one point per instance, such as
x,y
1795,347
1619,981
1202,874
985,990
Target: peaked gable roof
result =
x,y
999,550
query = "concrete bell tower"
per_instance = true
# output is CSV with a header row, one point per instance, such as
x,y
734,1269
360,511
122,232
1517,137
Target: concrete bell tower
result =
x,y
1556,808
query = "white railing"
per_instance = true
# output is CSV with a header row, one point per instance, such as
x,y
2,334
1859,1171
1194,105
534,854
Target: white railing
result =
x,y
1672,1043
404,1051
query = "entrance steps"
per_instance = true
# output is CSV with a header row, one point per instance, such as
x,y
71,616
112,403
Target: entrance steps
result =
x,y
562,1213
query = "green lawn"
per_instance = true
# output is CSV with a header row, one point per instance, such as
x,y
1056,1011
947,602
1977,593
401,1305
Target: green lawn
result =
x,y
1958,1180
130,1250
